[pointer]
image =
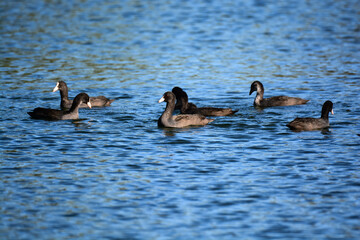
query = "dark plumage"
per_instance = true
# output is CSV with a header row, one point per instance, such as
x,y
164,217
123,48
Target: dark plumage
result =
x,y
182,101
53,114
167,119
66,103
190,108
308,124
260,101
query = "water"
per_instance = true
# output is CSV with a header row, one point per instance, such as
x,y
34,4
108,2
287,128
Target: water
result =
x,y
114,175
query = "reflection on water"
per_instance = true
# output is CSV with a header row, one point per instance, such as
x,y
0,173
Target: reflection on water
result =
x,y
114,174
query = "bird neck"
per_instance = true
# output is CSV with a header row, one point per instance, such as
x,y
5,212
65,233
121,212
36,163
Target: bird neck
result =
x,y
74,107
184,104
170,106
259,97
64,94
325,113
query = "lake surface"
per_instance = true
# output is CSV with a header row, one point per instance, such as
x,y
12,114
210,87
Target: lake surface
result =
x,y
113,174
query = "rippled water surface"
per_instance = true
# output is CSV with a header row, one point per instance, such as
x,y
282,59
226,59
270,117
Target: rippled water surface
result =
x,y
113,174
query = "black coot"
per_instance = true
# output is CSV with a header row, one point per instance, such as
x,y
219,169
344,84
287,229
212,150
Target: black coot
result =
x,y
53,114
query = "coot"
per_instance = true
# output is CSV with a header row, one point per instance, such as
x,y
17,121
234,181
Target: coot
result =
x,y
260,101
53,114
167,119
187,107
308,124
66,103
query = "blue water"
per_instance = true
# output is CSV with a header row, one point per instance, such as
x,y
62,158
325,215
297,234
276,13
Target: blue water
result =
x,y
113,174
